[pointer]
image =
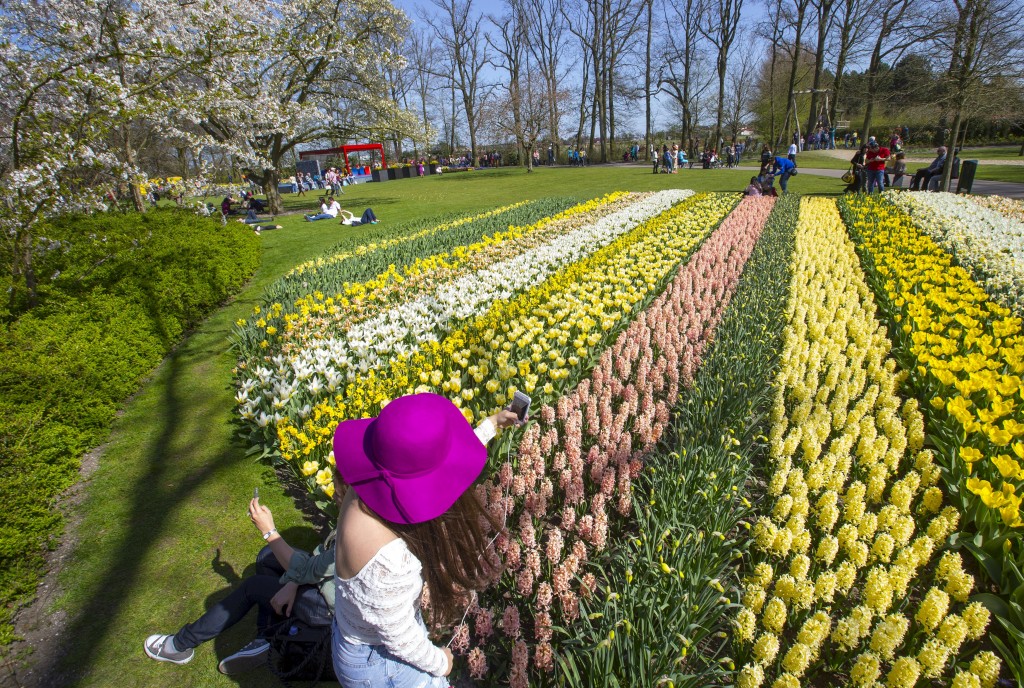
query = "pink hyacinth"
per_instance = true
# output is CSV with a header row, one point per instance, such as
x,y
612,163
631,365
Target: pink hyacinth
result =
x,y
477,661
510,622
554,546
588,584
545,595
544,657
460,639
483,623
518,676
542,626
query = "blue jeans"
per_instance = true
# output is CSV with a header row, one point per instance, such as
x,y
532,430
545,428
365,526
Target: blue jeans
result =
x,y
321,216
255,591
783,180
372,666
876,178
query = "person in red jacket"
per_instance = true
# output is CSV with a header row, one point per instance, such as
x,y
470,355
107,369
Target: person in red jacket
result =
x,y
875,161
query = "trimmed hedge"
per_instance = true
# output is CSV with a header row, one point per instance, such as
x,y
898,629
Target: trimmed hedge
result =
x,y
118,292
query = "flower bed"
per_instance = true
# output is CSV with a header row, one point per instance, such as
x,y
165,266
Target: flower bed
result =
x,y
848,579
966,355
565,598
985,241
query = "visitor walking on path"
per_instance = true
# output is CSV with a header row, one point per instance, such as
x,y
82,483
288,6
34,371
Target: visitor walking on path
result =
x,y
409,518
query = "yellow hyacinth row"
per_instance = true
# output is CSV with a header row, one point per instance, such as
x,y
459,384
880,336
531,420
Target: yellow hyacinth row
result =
x,y
363,249
357,300
968,351
858,514
533,342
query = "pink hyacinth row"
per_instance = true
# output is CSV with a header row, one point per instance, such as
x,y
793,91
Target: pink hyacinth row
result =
x,y
583,455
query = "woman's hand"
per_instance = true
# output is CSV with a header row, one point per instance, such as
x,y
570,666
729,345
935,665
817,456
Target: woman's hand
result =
x,y
451,660
261,516
504,418
284,600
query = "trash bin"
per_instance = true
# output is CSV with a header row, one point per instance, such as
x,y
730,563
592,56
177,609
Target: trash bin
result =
x,y
966,181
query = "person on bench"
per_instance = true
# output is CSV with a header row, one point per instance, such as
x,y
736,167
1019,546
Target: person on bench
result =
x,y
925,174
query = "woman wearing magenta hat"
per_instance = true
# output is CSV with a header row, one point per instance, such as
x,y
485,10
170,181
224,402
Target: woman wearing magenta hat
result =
x,y
408,518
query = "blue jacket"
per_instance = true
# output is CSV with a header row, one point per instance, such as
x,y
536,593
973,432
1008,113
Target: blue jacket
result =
x,y
783,165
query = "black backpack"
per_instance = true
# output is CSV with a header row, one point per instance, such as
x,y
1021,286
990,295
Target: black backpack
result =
x,y
300,652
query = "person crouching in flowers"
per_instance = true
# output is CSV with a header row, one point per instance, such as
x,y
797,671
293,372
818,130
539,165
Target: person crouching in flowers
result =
x,y
409,518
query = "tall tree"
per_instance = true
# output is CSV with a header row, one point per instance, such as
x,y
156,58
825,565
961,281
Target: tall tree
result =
x,y
298,94
719,28
851,17
891,24
458,29
985,41
82,83
548,46
824,13
797,14
679,69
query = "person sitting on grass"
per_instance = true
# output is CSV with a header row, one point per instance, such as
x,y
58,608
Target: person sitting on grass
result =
x,y
754,189
328,211
288,583
368,218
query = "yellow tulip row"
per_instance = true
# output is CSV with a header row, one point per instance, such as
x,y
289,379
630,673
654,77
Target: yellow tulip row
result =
x,y
968,350
841,554
363,249
356,300
535,341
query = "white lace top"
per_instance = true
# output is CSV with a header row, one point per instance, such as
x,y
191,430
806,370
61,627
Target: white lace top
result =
x,y
380,605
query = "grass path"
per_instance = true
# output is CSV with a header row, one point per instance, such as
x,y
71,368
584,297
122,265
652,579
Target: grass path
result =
x,y
162,529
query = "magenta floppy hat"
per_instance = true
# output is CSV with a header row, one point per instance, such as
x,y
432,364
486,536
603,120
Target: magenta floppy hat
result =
x,y
413,461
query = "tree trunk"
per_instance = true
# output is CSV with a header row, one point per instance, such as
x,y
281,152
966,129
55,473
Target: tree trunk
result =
x,y
947,169
647,83
819,63
269,182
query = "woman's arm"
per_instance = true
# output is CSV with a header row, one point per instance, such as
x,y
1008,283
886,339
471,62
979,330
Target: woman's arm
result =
x,y
264,521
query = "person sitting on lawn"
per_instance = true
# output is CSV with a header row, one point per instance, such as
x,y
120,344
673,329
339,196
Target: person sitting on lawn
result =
x,y
368,218
288,583
328,211
754,189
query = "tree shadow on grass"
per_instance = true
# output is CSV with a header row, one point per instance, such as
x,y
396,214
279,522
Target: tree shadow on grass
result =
x,y
160,489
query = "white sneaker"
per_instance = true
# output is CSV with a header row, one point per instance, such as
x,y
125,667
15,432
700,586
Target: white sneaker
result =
x,y
158,647
248,658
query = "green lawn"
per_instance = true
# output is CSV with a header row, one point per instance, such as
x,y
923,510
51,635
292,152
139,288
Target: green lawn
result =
x,y
163,529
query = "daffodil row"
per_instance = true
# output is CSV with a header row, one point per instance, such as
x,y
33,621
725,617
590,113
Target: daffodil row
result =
x,y
985,241
847,575
966,354
541,341
384,244
326,337
300,378
303,294
357,301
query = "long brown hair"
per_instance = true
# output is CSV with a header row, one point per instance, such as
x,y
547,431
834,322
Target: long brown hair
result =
x,y
452,550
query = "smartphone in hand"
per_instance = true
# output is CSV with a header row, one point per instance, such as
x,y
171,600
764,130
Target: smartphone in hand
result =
x,y
520,405
256,493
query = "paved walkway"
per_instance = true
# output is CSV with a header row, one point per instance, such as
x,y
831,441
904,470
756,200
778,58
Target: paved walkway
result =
x,y
981,186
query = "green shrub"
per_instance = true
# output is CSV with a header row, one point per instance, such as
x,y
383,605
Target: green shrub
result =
x,y
116,293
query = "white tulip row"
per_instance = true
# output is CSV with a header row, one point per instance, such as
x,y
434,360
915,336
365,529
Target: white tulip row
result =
x,y
982,240
321,366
